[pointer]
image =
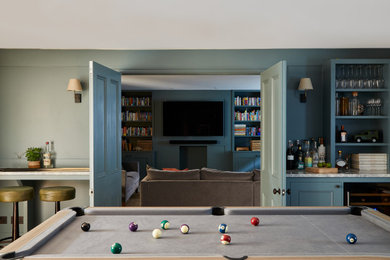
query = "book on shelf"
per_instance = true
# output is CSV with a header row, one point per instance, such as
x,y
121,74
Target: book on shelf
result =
x,y
247,101
240,129
255,145
135,101
253,115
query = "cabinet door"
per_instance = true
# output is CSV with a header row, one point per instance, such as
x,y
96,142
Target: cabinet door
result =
x,y
316,194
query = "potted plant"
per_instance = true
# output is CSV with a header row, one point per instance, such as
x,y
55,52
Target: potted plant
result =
x,y
33,155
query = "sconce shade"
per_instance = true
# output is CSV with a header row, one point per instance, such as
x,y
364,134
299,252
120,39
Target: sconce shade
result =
x,y
74,85
305,84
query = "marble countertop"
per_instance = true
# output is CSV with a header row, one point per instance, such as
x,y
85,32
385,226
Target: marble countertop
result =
x,y
44,174
350,173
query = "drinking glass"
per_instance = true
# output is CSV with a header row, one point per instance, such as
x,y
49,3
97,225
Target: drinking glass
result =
x,y
360,77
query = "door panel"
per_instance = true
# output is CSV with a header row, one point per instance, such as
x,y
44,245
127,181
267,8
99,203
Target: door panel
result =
x,y
105,136
273,141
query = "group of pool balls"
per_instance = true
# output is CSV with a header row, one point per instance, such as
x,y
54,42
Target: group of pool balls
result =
x,y
225,239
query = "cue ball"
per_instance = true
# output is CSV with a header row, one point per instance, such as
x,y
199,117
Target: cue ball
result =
x,y
255,221
351,238
165,224
133,226
184,229
116,248
85,226
223,228
156,233
225,239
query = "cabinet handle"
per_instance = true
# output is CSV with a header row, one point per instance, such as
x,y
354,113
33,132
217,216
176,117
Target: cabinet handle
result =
x,y
288,191
276,191
338,186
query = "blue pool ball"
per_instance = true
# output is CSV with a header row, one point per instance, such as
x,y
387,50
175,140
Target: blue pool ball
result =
x,y
116,248
351,238
222,228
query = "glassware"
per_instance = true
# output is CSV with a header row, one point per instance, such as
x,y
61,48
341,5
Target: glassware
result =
x,y
344,106
354,104
360,80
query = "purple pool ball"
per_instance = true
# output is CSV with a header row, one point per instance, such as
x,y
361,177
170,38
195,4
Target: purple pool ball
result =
x,y
133,227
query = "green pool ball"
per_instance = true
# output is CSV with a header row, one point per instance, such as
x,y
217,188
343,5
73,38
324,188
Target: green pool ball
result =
x,y
165,224
116,248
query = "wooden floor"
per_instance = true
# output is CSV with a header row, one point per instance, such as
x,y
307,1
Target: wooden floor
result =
x,y
135,200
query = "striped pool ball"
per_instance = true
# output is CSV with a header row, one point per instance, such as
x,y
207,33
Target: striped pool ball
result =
x,y
222,228
165,224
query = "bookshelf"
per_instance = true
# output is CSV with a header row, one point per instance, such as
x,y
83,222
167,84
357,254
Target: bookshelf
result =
x,y
137,123
246,132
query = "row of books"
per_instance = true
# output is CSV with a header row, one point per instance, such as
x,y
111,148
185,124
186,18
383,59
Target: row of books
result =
x,y
243,130
247,101
255,145
136,101
136,131
253,115
136,116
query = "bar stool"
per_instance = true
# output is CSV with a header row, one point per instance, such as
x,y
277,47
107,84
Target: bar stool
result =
x,y
57,194
15,194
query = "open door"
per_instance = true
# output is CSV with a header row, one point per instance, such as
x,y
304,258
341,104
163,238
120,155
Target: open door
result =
x,y
273,135
105,158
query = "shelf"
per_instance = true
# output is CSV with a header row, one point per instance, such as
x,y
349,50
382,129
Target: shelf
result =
x,y
362,90
362,117
136,121
254,121
255,107
369,195
246,136
137,136
361,144
249,152
137,107
369,204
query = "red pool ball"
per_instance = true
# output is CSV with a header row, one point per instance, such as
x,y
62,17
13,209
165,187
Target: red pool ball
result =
x,y
225,239
255,221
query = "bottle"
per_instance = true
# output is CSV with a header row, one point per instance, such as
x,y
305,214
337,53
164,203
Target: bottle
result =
x,y
52,155
314,154
321,151
290,156
354,104
340,162
343,135
344,106
46,157
300,162
337,105
308,159
295,152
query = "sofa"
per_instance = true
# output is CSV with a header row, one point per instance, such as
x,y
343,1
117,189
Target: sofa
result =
x,y
200,187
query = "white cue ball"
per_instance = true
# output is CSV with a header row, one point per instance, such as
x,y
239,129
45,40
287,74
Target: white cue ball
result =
x,y
156,233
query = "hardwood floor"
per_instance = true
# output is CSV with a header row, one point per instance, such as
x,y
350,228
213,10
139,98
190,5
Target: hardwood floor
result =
x,y
135,200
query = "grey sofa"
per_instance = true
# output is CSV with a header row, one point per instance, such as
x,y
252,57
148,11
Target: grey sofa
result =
x,y
200,187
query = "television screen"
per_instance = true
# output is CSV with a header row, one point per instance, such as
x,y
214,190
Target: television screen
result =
x,y
193,118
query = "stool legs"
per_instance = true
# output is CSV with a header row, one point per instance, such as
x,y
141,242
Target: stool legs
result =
x,y
57,207
15,226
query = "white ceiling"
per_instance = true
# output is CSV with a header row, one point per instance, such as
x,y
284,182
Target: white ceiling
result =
x,y
194,24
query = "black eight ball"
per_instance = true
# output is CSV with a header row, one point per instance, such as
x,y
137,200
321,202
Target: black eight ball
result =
x,y
85,226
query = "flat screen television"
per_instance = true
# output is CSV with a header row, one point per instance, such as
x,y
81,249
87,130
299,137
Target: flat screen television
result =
x,y
193,118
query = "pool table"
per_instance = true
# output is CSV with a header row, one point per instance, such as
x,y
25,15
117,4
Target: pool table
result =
x,y
283,233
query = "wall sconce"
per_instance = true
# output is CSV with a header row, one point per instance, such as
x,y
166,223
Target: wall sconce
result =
x,y
304,85
75,86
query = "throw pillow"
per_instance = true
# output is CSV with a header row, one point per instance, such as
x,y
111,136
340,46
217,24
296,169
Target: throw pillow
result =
x,y
214,174
155,174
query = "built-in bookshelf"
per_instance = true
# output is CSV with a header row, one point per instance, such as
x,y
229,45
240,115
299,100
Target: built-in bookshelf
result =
x,y
246,120
137,126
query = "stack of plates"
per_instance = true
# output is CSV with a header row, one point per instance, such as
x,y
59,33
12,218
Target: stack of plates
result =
x,y
369,161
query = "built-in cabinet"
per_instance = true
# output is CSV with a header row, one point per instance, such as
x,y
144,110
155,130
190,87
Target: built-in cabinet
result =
x,y
366,124
246,132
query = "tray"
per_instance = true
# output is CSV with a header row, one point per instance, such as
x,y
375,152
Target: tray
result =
x,y
321,170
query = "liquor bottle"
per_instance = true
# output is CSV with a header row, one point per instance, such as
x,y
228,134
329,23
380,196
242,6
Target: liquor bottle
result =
x,y
295,152
300,162
52,155
340,162
46,157
308,159
321,151
290,156
343,135
314,154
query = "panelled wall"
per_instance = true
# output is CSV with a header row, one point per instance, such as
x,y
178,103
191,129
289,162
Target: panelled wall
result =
x,y
35,106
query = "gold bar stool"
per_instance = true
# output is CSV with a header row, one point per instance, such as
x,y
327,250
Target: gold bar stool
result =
x,y
15,194
57,194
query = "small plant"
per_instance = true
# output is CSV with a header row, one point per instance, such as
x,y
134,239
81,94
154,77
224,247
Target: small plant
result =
x,y
33,154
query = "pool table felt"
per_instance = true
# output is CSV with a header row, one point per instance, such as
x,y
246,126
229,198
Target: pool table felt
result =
x,y
280,235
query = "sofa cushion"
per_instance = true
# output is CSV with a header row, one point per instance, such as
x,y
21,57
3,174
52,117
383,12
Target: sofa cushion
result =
x,y
155,174
214,174
256,174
